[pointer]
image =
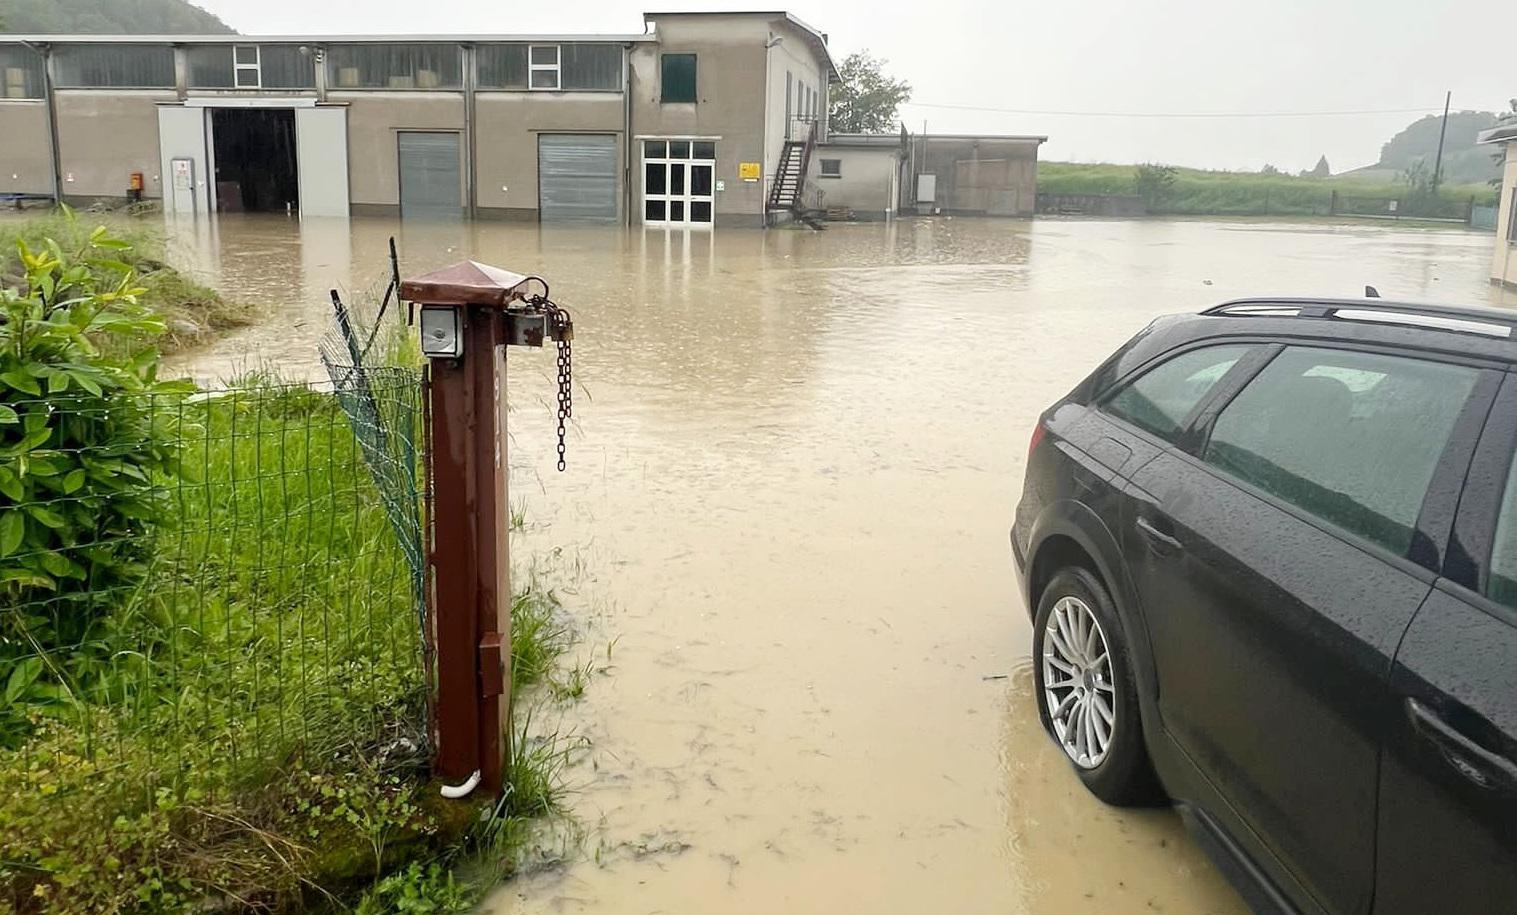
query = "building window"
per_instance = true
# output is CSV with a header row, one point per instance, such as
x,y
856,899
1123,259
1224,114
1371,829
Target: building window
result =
x,y
678,78
832,168
279,66
501,66
591,67
114,66
245,60
394,66
567,67
20,72
543,66
678,182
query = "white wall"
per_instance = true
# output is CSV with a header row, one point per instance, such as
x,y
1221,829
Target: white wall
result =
x,y
868,184
1504,261
792,55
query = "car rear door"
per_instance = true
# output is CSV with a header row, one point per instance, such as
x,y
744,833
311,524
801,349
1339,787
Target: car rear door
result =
x,y
1448,776
1279,556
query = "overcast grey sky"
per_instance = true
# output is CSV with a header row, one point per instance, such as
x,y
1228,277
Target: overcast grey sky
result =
x,y
1114,56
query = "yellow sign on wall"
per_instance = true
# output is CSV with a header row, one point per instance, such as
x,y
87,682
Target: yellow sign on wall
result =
x,y
748,171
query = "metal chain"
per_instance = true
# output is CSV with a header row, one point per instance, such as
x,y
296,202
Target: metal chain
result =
x,y
561,327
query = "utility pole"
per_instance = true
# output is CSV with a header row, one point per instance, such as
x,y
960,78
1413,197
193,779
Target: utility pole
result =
x,y
1438,162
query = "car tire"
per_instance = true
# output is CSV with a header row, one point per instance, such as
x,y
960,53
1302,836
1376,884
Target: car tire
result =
x,y
1087,689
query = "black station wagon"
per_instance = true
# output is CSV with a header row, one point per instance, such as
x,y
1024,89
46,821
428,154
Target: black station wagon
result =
x,y
1271,555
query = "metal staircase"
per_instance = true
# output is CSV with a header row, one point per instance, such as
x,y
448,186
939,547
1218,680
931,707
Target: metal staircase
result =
x,y
786,193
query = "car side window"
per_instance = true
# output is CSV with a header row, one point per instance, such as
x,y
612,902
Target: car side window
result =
x,y
1501,586
1351,437
1161,398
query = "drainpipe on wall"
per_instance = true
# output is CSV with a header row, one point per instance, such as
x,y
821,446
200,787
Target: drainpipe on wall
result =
x,y
181,72
471,177
54,154
627,135
319,55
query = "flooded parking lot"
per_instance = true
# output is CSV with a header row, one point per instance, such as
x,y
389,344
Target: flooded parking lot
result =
x,y
792,473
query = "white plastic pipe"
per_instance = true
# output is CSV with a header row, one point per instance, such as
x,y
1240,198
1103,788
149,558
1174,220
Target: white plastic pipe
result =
x,y
454,792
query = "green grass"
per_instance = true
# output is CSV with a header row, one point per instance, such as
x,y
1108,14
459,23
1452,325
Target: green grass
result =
x,y
253,737
1200,192
193,312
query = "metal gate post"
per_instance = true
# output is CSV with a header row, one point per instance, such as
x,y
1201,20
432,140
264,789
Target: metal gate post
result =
x,y
469,313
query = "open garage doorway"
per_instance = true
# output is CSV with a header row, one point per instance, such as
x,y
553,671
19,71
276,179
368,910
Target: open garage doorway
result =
x,y
255,160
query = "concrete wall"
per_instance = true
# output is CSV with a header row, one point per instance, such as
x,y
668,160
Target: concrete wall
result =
x,y
792,56
374,119
730,106
506,126
1504,261
25,166
106,134
980,176
869,182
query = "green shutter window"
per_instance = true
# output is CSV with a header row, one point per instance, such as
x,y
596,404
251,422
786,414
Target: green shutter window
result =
x,y
679,78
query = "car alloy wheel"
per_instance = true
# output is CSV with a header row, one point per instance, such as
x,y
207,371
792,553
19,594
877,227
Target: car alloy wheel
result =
x,y
1079,692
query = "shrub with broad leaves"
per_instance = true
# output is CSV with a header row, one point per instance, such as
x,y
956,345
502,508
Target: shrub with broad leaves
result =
x,y
86,445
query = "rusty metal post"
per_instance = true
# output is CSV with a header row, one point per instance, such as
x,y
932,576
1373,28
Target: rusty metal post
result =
x,y
466,325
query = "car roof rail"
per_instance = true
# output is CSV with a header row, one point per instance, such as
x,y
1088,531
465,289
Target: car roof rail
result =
x,y
1485,322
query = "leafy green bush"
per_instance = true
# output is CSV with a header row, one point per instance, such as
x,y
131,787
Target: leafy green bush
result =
x,y
80,449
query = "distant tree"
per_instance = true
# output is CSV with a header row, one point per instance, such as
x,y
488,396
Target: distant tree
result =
x,y
865,99
1323,170
1269,170
1154,183
1418,178
126,17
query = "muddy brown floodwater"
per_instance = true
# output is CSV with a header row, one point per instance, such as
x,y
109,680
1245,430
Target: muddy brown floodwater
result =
x,y
792,471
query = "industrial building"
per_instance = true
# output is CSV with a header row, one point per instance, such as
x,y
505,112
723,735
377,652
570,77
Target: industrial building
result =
x,y
703,119
1504,256
682,125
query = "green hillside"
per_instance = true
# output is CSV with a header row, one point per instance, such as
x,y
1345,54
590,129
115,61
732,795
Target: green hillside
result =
x,y
1463,161
172,17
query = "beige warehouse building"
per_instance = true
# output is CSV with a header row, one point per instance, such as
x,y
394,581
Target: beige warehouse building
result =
x,y
683,125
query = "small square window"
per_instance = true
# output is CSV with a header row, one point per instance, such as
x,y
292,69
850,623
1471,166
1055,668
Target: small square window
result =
x,y
700,211
653,211
832,168
676,211
679,149
543,66
247,78
246,55
678,78
655,149
703,150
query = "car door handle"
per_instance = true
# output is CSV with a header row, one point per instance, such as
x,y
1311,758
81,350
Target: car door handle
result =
x,y
1158,541
1477,764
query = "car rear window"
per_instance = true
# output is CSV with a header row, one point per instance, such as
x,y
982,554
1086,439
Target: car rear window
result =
x,y
1160,399
1351,437
1502,583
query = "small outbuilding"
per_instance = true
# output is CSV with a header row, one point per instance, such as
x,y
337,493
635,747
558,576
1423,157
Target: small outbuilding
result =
x,y
858,176
1503,258
971,175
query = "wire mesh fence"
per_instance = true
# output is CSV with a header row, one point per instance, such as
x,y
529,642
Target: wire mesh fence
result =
x,y
207,590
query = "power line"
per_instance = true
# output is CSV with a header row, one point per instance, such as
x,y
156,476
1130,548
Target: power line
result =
x,y
1175,114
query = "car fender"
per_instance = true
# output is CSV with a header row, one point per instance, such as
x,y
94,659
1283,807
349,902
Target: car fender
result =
x,y
1075,520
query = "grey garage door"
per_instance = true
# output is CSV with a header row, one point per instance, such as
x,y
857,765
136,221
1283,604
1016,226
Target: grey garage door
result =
x,y
576,176
430,174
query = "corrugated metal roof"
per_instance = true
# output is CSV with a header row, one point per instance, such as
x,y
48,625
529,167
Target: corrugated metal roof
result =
x,y
1502,133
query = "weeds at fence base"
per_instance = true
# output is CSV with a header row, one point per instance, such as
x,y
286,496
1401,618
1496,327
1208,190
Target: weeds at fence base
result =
x,y
253,736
